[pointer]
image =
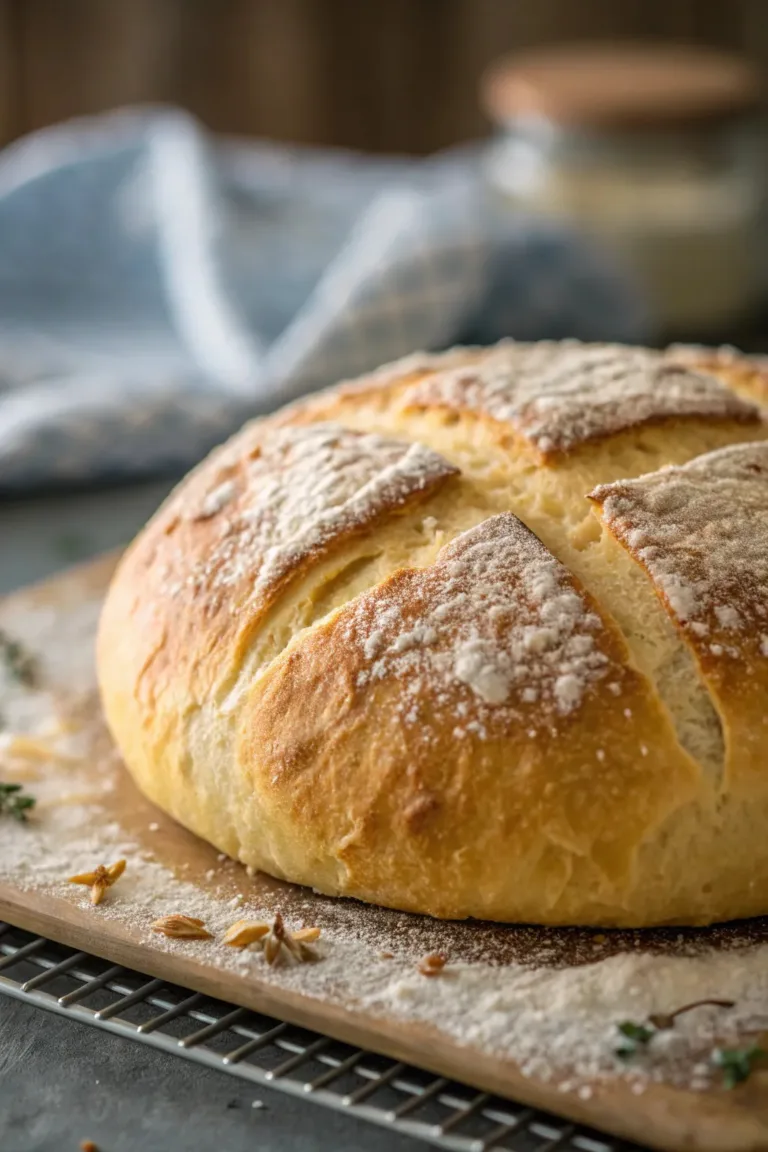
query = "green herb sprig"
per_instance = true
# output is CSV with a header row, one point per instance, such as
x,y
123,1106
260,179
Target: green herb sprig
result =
x,y
738,1064
636,1037
14,803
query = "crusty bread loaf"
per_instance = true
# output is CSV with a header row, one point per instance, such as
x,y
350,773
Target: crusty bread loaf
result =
x,y
484,634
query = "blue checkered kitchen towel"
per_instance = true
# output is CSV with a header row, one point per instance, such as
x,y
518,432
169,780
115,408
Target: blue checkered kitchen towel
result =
x,y
157,286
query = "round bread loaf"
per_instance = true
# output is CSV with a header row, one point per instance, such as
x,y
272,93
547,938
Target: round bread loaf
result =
x,y
484,634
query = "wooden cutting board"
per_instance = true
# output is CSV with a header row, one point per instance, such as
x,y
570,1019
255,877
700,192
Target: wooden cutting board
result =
x,y
664,1116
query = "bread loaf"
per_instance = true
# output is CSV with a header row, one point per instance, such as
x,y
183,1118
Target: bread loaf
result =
x,y
482,635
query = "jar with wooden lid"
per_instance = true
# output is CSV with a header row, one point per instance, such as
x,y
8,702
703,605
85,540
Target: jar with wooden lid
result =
x,y
657,151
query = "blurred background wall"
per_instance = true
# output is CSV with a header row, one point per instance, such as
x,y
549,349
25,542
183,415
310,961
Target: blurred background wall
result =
x,y
385,75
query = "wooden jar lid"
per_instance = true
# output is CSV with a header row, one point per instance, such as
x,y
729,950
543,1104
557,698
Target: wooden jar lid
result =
x,y
620,86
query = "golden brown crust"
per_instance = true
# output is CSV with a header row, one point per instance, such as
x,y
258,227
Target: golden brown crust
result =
x,y
701,533
268,507
284,496
561,396
441,751
339,657
747,376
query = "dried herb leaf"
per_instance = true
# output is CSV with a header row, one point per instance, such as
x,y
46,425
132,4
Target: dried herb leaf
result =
x,y
277,944
14,803
182,927
243,933
100,879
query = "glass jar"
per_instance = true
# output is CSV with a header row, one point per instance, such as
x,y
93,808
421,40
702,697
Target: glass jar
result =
x,y
656,152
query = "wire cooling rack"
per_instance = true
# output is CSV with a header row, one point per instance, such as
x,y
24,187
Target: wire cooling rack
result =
x,y
273,1054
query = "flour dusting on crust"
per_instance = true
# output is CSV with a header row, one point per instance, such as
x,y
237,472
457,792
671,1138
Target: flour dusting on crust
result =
x,y
497,615
560,395
701,531
299,489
